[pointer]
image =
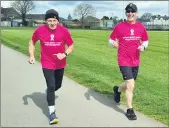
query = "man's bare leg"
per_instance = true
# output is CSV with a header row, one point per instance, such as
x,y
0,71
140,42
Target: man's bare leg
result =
x,y
122,87
129,92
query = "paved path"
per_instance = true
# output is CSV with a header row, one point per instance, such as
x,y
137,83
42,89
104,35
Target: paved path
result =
x,y
23,100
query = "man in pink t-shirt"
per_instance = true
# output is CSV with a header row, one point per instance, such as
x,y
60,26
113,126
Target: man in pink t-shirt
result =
x,y
53,39
131,38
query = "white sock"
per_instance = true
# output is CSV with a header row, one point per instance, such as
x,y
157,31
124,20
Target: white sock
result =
x,y
51,109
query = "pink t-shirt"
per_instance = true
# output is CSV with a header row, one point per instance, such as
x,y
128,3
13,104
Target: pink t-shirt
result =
x,y
52,42
129,36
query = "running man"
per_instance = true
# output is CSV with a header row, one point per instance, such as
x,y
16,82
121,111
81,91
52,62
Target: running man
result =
x,y
130,38
53,40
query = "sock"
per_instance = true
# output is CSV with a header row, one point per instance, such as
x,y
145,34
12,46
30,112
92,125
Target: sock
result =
x,y
51,109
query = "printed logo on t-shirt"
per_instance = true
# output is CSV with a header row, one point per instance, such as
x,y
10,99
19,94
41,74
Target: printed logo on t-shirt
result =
x,y
52,43
132,36
52,37
131,31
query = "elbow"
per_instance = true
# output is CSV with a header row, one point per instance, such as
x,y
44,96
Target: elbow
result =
x,y
31,43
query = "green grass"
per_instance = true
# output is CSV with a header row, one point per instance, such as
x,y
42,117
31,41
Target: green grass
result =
x,y
94,64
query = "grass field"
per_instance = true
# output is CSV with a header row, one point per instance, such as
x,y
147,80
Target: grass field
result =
x,y
94,64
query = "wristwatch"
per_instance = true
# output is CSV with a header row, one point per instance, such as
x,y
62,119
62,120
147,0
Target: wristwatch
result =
x,y
144,47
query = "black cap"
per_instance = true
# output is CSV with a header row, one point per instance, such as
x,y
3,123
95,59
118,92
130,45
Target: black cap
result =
x,y
131,6
52,14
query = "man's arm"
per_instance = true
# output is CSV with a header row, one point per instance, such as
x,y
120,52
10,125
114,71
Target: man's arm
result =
x,y
69,43
31,48
114,43
32,43
70,49
144,40
145,44
113,38
61,56
31,52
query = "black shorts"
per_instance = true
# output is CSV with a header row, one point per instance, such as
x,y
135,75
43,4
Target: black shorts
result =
x,y
129,72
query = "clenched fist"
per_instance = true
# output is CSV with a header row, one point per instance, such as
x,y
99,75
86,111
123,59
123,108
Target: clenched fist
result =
x,y
141,48
31,59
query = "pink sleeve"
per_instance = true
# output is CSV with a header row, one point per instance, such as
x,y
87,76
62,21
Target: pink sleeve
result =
x,y
144,35
68,38
113,35
35,36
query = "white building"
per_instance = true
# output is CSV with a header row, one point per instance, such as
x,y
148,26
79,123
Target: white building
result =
x,y
158,20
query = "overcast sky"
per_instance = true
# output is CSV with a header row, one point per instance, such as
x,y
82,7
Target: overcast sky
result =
x,y
103,8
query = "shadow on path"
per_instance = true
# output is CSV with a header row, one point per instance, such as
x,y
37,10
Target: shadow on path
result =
x,y
104,100
39,99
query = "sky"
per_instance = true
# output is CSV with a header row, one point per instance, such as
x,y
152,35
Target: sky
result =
x,y
103,8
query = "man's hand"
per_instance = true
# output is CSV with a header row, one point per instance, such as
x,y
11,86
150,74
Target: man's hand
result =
x,y
31,59
60,56
116,44
141,48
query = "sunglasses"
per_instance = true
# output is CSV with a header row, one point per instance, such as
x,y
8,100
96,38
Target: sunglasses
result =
x,y
132,11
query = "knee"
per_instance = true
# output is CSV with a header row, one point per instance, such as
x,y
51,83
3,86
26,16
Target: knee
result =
x,y
51,88
130,85
57,86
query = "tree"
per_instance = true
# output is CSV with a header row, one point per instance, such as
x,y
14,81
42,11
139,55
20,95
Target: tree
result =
x,y
83,10
115,19
146,17
105,18
120,20
23,7
88,20
75,21
139,19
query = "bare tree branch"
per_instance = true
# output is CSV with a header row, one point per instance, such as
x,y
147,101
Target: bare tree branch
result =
x,y
23,7
83,10
146,17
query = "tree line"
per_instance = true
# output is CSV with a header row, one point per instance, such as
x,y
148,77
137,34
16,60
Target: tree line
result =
x,y
81,11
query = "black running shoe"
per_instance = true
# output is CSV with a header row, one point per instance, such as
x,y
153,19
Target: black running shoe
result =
x,y
130,114
116,94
